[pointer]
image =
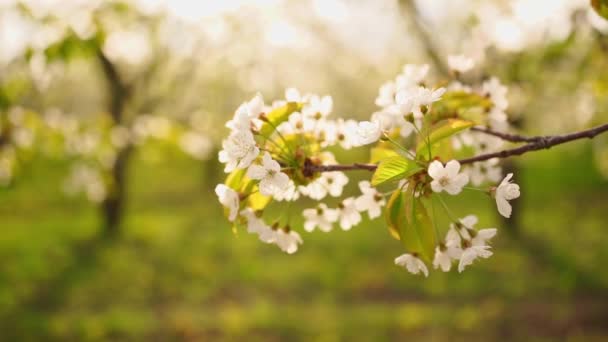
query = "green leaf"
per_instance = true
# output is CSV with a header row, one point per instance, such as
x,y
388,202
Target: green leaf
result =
x,y
278,116
395,214
422,225
394,168
460,104
239,181
408,220
378,154
257,201
441,130
601,7
235,179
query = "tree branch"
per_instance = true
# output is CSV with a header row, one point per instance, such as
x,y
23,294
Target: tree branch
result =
x,y
540,143
516,138
533,144
346,167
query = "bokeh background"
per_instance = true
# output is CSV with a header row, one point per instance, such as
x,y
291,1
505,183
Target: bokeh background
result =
x,y
111,114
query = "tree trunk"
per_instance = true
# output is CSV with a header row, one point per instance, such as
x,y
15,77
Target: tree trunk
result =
x,y
112,208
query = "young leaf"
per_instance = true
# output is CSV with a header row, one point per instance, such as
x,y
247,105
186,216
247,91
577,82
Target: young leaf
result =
x,y
257,201
460,104
407,220
441,130
423,225
395,214
235,179
378,154
278,116
394,168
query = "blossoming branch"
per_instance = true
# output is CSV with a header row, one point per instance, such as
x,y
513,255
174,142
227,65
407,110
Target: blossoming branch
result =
x,y
427,141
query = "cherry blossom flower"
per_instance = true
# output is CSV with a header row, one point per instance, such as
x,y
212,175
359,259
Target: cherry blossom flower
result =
x,y
347,213
453,243
370,200
299,123
386,95
442,259
486,171
292,95
272,180
257,226
288,240
318,107
321,217
412,263
497,93
346,133
420,97
447,178
368,132
228,198
331,183
289,194
460,63
471,253
246,111
412,75
505,192
239,150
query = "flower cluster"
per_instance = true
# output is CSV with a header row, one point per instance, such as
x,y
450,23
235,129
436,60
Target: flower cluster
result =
x,y
279,153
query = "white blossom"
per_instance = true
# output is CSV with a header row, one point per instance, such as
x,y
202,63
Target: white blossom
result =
x,y
460,63
288,241
241,120
421,96
321,217
318,107
482,236
257,226
453,243
412,75
331,183
497,93
386,95
412,263
442,259
505,192
346,133
248,111
299,123
348,215
292,95
370,200
272,180
368,132
447,178
485,171
289,194
229,199
239,150
471,253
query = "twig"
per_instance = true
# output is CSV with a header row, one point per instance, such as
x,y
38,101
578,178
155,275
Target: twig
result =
x,y
534,144
540,144
516,138
346,167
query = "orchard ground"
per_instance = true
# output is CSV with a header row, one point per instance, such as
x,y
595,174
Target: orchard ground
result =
x,y
178,271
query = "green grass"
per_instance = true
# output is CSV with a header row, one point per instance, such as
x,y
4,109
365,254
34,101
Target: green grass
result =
x,y
178,272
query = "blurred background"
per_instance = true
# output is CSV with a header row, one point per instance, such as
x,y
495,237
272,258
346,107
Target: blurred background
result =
x,y
111,114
